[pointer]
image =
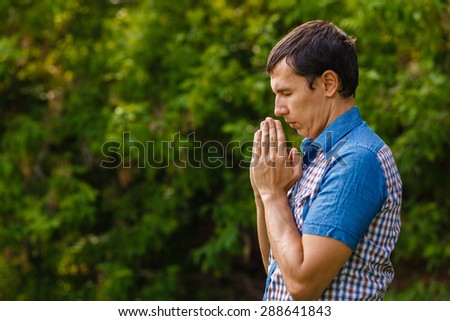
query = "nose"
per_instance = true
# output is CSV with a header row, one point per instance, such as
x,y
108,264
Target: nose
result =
x,y
280,106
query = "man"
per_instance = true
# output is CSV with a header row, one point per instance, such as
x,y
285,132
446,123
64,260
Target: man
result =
x,y
328,221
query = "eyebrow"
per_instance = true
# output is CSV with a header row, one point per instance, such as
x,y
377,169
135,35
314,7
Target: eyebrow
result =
x,y
281,90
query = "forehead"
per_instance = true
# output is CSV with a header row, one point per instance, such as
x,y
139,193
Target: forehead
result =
x,y
284,77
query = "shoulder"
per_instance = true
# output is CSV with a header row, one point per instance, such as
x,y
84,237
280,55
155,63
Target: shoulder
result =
x,y
363,137
363,149
359,150
356,160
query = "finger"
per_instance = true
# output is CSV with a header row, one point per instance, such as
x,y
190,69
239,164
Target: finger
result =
x,y
264,139
256,148
273,140
281,139
272,129
296,162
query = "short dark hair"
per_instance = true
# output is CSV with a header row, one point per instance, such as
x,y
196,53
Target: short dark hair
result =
x,y
317,46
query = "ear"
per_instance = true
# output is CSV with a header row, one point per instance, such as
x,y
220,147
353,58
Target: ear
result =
x,y
330,80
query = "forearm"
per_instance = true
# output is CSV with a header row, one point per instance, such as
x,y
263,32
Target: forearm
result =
x,y
285,240
264,245
284,237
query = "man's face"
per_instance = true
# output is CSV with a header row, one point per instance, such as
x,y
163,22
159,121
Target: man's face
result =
x,y
304,109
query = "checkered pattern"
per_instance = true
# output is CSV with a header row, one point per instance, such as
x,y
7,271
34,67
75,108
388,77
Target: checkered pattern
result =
x,y
369,271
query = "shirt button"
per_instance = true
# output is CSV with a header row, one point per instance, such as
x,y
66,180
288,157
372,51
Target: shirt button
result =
x,y
304,166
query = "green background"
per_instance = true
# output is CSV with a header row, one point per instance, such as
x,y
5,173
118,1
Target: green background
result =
x,y
76,75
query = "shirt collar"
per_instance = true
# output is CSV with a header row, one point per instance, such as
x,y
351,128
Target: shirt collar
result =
x,y
331,134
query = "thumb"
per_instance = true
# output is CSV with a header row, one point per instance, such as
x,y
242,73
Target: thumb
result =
x,y
295,160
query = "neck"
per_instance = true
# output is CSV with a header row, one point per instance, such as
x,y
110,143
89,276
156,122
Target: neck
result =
x,y
339,107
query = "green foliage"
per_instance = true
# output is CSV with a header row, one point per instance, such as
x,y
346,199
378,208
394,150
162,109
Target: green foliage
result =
x,y
165,86
421,291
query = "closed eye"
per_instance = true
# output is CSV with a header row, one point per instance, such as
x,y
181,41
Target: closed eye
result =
x,y
284,92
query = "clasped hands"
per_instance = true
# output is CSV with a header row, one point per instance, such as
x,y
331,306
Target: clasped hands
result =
x,y
273,170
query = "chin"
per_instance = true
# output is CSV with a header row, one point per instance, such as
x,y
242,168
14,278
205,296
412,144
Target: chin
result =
x,y
301,132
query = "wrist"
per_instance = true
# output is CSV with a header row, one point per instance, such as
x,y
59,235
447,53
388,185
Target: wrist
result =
x,y
279,196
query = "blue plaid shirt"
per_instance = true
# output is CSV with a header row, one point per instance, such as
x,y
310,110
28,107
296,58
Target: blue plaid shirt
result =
x,y
350,190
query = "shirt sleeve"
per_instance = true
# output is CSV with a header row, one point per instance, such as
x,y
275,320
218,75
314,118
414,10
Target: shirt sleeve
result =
x,y
352,192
